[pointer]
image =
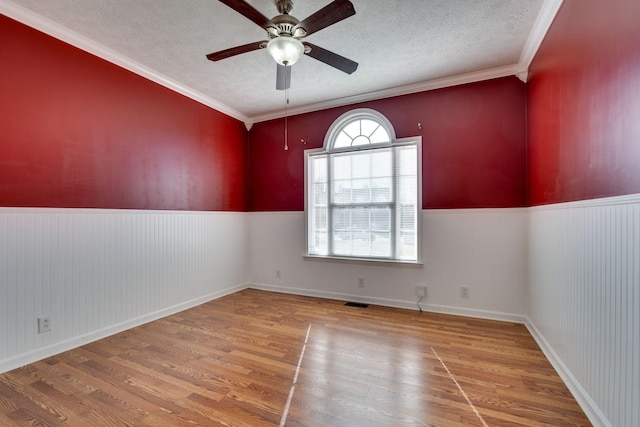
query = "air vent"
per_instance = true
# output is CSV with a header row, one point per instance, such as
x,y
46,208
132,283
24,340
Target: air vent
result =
x,y
356,304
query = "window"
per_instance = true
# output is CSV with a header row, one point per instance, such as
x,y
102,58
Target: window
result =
x,y
363,191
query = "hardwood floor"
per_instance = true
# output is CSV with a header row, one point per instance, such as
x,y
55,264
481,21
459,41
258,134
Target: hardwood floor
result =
x,y
256,358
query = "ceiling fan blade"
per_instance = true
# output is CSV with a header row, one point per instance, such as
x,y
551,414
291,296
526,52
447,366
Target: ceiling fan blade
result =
x,y
283,77
248,11
336,61
328,15
217,56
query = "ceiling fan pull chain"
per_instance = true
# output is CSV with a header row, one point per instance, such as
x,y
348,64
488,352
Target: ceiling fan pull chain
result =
x,y
286,121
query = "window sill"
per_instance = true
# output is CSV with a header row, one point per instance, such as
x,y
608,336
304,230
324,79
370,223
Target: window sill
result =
x,y
369,261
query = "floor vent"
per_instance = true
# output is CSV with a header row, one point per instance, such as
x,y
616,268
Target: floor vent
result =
x,y
356,304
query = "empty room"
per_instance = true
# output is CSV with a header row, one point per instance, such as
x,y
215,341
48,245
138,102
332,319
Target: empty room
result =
x,y
320,213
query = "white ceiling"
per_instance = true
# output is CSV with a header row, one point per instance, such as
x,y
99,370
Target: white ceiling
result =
x,y
402,46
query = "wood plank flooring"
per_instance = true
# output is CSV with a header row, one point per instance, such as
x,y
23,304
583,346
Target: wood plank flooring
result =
x,y
257,358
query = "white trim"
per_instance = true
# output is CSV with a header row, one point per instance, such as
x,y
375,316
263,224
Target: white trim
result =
x,y
351,116
523,75
424,211
547,14
545,18
328,150
75,342
110,211
370,261
591,203
585,401
467,211
476,76
387,302
32,19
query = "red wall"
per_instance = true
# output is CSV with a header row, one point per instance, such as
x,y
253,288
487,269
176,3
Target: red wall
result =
x,y
76,131
473,147
584,104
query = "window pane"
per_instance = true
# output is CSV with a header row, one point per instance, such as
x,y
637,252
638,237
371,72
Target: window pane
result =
x,y
341,191
341,231
320,194
380,232
381,164
320,243
320,220
362,231
343,140
379,136
341,167
352,129
381,189
407,245
407,198
361,132
342,220
361,191
353,172
368,127
381,219
319,165
361,165
366,177
318,206
407,189
406,160
360,140
360,219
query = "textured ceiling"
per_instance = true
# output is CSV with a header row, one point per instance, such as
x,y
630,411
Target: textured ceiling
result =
x,y
398,44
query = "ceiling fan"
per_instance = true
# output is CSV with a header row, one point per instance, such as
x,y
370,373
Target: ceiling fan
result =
x,y
285,31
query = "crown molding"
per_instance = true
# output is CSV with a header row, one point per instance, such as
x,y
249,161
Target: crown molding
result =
x,y
543,22
32,19
476,76
545,18
547,14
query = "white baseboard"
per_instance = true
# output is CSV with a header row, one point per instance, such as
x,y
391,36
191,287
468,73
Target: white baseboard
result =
x,y
410,305
585,401
60,347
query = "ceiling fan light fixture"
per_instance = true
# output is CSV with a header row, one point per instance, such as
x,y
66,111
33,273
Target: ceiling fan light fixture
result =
x,y
285,50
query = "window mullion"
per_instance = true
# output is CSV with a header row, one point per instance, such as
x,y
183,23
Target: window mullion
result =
x,y
394,205
361,205
330,206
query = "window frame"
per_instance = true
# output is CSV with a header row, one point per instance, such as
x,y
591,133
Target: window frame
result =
x,y
328,149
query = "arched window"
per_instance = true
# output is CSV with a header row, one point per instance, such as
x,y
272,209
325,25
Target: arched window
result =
x,y
357,128
363,191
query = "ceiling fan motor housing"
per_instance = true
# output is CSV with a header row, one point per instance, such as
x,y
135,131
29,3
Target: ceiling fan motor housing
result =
x,y
284,24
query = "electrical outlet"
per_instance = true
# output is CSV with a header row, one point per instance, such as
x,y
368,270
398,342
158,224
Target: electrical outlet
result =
x,y
278,274
421,290
464,292
44,324
361,282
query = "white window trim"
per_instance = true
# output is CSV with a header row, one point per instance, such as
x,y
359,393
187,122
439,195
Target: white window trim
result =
x,y
353,115
330,136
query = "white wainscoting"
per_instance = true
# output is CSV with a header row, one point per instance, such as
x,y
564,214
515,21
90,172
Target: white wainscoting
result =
x,y
584,301
570,271
97,272
482,249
